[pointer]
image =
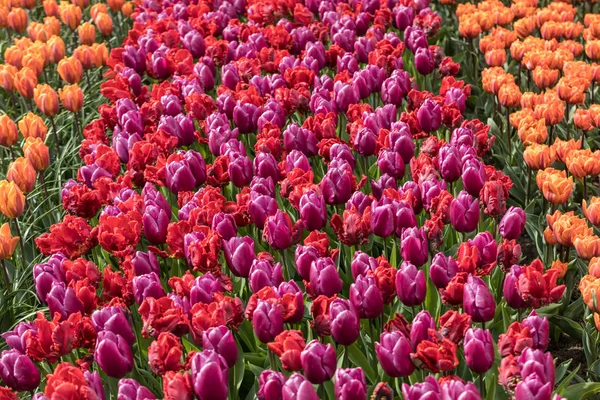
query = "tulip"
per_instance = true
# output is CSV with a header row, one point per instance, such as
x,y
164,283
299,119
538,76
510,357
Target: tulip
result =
x,y
30,125
37,153
261,207
318,362
414,246
382,218
350,384
155,222
385,182
26,81
512,223
365,142
341,151
147,285
297,138
240,171
313,210
297,159
403,17
225,225
113,319
18,371
194,42
337,184
46,100
442,270
267,321
344,95
473,176
222,342
411,285
304,257
509,289
428,389
478,301
393,352
455,389
297,387
263,273
46,274
424,63
16,339
209,376
344,320
17,19
429,116
487,248
479,350
113,354
278,230
391,163
366,297
266,166
539,330
8,131
464,212
421,324
187,173
245,117
361,264
270,385
450,163
130,389
324,277
415,38
239,255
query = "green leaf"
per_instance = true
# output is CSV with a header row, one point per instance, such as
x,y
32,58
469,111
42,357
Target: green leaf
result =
x,y
567,380
581,391
549,310
358,359
561,370
568,326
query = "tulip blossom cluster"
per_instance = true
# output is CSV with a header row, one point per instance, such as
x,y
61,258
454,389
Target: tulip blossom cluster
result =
x,y
283,199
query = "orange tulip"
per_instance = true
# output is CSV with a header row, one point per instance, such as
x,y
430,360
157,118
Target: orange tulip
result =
x,y
25,82
572,89
12,200
100,54
70,15
532,131
31,125
592,211
3,16
563,148
539,156
56,47
582,163
51,8
552,112
578,69
561,267
494,78
587,247
583,120
524,27
8,243
23,42
517,116
127,9
468,27
7,77
594,267
544,77
22,173
13,55
589,287
70,70
572,47
34,62
46,99
509,95
104,23
81,3
52,25
17,19
495,58
71,97
530,100
8,131
37,31
87,33
555,185
86,56
549,237
568,227
98,8
115,5
37,153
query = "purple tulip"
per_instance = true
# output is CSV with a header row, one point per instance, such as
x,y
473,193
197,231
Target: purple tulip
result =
x,y
473,176
147,285
345,324
539,330
424,63
130,389
337,184
487,248
395,88
383,217
297,387
153,196
429,116
479,350
278,230
225,225
186,174
464,212
239,255
361,264
266,166
403,17
261,207
267,321
393,352
450,163
262,274
204,288
509,290
270,385
222,342
391,163
16,339
537,374
18,371
430,189
297,296
442,270
90,173
512,223
366,297
426,390
155,222
47,273
324,277
304,256
297,159
414,246
456,96
301,139
344,95
421,324
385,182
240,171
415,38
245,117
113,319
209,376
341,151
411,285
350,384
313,210
457,390
171,104
405,217
113,354
365,142
63,300
359,200
318,362
194,43
478,301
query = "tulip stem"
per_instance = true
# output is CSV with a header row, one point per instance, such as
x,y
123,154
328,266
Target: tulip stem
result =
x,y
20,240
55,135
528,187
6,280
567,116
481,386
345,360
508,131
584,188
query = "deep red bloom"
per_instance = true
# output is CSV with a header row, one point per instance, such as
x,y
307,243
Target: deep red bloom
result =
x,y
385,279
320,313
224,310
204,254
467,258
177,386
116,286
175,233
80,269
164,353
453,294
454,325
119,234
353,228
73,237
161,315
509,253
398,324
287,346
68,382
516,339
82,201
438,354
538,288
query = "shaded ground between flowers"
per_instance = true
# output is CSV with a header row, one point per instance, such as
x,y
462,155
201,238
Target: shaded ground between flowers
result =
x,y
567,348
528,250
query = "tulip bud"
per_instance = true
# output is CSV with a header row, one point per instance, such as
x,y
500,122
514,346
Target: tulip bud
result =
x,y
22,173
240,171
478,301
337,184
18,371
71,97
263,273
297,387
473,176
345,325
361,264
429,116
209,376
32,125
270,385
318,362
424,63
8,131
414,246
324,277
12,200
113,354
261,207
278,230
450,163
147,285
391,163
464,212
130,389
245,117
113,319
421,324
366,297
382,218
239,255
393,352
297,138
350,384
479,350
155,222
344,95
512,296
222,342
267,321
46,99
313,210
512,223
411,285
37,153
539,330
442,270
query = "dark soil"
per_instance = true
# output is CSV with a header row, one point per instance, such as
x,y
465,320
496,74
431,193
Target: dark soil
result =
x,y
528,249
567,348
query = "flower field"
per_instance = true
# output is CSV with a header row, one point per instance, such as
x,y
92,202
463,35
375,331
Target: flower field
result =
x,y
280,199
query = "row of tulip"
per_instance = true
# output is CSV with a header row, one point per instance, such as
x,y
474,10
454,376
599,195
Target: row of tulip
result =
x,y
263,203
